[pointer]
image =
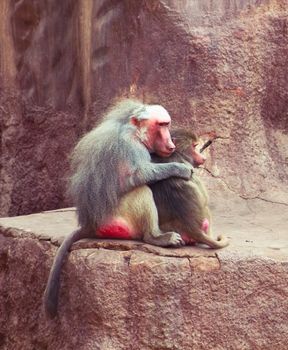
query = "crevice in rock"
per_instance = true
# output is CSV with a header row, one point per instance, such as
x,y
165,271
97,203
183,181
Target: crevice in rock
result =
x,y
127,259
266,200
219,260
241,195
142,247
190,267
162,252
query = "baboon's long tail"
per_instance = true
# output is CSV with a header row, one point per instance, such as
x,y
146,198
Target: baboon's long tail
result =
x,y
52,289
213,243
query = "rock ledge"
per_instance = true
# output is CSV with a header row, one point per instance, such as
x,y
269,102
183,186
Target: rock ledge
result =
x,y
130,295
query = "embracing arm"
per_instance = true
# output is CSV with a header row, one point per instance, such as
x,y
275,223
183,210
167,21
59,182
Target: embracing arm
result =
x,y
153,172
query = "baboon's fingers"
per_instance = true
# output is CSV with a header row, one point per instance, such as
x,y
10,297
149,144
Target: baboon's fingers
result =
x,y
176,240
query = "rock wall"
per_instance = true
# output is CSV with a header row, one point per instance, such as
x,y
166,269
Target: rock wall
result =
x,y
214,66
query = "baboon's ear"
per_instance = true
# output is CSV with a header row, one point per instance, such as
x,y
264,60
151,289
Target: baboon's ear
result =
x,y
134,121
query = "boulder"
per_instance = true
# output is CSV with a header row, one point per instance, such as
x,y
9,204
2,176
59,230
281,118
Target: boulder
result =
x,y
131,295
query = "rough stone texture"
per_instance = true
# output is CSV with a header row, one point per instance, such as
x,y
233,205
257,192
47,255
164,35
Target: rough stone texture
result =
x,y
129,295
216,65
219,65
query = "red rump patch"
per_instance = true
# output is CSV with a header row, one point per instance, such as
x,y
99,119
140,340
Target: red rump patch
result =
x,y
116,229
187,239
205,225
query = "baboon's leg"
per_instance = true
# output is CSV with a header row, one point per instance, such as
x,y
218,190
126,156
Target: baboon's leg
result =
x,y
139,210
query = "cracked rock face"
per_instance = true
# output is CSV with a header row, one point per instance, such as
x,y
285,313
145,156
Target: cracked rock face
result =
x,y
221,68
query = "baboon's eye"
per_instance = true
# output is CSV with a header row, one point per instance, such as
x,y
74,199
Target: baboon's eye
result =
x,y
163,124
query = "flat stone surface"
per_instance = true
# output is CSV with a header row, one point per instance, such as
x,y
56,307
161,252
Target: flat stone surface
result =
x,y
254,227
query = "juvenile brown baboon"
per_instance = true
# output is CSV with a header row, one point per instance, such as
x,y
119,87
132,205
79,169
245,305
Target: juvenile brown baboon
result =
x,y
183,205
111,166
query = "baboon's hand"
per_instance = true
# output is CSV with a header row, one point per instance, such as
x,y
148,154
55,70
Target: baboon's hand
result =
x,y
184,171
176,240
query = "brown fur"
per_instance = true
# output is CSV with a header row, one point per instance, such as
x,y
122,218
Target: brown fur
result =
x,y
183,205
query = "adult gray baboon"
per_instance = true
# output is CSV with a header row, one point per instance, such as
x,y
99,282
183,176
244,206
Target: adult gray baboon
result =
x,y
183,205
109,165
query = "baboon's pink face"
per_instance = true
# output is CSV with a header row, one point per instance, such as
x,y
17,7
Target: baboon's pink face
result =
x,y
198,158
156,132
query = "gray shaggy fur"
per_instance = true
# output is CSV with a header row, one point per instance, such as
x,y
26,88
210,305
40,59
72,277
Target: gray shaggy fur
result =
x,y
95,184
97,160
108,162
